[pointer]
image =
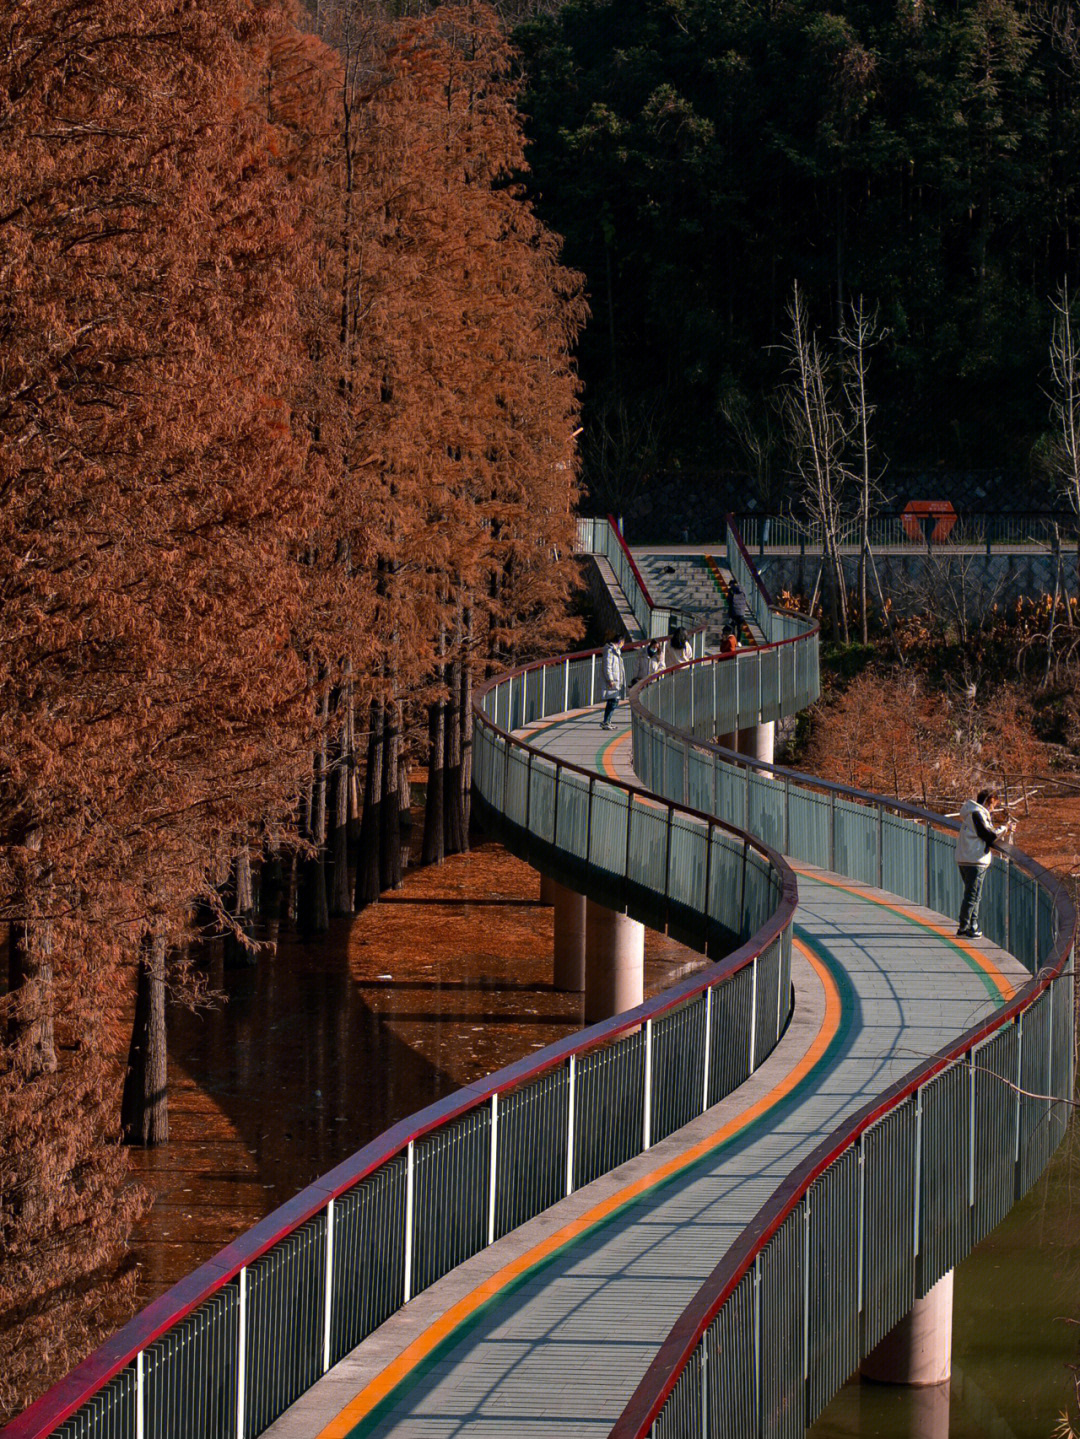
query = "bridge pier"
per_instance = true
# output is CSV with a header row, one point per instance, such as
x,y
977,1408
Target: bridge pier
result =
x,y
758,741
549,889
918,1350
569,946
614,962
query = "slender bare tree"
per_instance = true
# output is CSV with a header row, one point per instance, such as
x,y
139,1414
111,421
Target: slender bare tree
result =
x,y
1065,406
819,429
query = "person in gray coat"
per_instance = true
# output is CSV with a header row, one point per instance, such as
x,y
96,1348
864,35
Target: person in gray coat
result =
x,y
614,674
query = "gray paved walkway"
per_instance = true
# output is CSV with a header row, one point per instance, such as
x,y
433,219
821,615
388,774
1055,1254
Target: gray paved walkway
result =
x,y
560,1351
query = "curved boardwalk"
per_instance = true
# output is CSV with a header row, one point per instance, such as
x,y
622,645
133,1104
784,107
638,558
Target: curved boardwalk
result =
x,y
550,1338
726,1279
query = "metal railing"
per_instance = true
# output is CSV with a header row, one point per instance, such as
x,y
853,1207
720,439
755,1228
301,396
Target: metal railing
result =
x,y
232,1346
602,537
969,531
902,1191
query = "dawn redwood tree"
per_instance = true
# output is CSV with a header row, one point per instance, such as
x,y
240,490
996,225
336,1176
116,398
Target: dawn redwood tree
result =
x,y
154,484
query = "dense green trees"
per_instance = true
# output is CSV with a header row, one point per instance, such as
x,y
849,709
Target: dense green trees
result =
x,y
700,155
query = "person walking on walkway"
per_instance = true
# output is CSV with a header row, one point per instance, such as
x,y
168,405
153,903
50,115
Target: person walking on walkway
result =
x,y
614,678
977,837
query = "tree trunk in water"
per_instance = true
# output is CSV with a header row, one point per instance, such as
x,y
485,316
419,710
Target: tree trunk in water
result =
x,y
404,802
315,907
342,898
313,913
236,954
453,814
271,884
434,846
466,725
145,1104
390,839
367,865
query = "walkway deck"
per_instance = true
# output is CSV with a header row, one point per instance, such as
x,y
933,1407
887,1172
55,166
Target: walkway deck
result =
x,y
548,1331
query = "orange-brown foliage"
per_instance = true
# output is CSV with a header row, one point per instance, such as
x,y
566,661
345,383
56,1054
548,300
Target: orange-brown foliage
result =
x,y
285,389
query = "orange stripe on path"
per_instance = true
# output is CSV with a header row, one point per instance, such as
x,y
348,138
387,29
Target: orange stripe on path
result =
x,y
982,961
399,1369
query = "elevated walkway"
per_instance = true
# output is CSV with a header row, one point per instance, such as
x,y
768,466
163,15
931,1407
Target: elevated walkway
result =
x,y
548,1332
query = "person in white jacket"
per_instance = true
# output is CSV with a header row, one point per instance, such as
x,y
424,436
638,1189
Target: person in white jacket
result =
x,y
977,838
614,672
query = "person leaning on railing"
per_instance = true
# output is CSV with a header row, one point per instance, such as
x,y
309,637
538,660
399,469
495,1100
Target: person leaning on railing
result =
x,y
977,838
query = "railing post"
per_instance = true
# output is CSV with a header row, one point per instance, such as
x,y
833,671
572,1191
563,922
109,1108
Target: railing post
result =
x,y
629,812
880,847
746,798
1019,1073
555,813
917,1206
528,788
140,1381
646,1119
543,691
787,815
572,1063
241,1366
971,1127
832,830
708,1046
410,1186
493,1162
686,772
753,1012
328,1287
667,853
806,1289
592,681
588,819
1008,902
708,880
566,685
861,1226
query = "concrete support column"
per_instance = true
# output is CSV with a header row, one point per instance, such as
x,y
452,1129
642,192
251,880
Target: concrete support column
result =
x,y
758,741
729,740
549,888
569,970
918,1350
614,962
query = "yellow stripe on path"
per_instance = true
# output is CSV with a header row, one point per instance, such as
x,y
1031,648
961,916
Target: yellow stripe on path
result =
x,y
382,1385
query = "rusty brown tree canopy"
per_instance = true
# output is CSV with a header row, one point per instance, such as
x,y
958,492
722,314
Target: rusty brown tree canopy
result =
x,y
286,460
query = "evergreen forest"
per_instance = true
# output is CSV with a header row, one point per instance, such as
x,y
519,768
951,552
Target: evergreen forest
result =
x,y
702,156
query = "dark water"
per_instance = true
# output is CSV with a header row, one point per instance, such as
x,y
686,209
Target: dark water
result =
x,y
1013,1341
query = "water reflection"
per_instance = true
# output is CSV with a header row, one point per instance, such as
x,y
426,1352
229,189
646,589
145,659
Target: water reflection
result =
x,y
1013,1344
326,1044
